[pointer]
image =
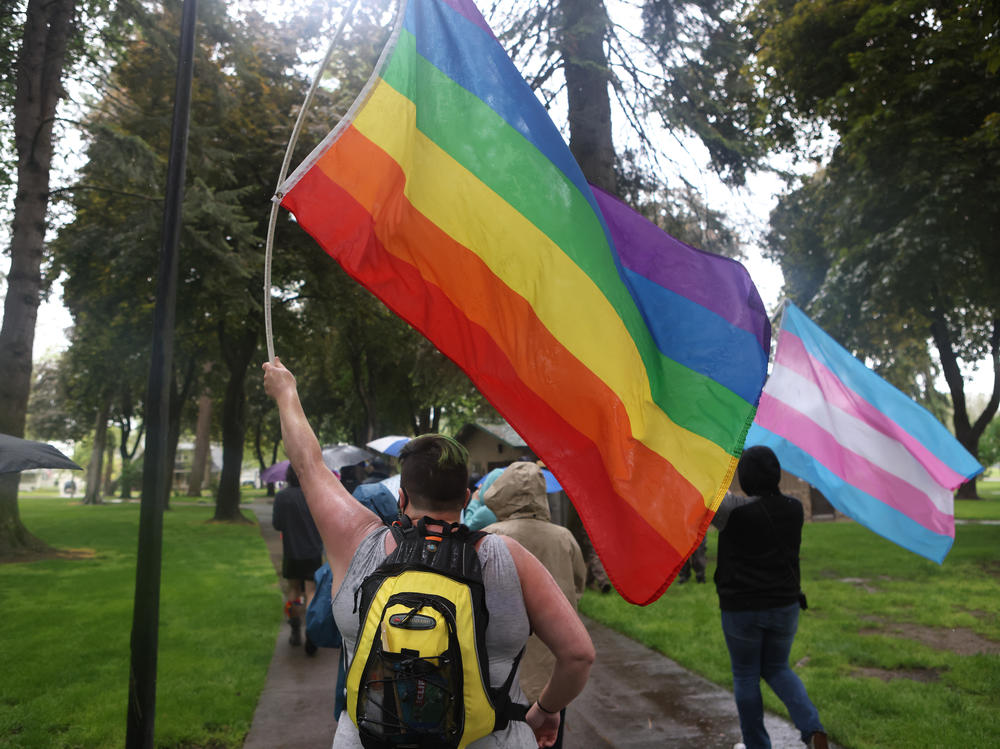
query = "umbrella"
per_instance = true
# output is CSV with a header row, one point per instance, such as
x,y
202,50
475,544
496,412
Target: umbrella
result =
x,y
18,455
338,456
390,445
551,482
276,472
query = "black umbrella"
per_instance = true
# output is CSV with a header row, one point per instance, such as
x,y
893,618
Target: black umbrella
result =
x,y
18,455
338,456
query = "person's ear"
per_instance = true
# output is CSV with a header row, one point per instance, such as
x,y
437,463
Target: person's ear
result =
x,y
468,496
404,501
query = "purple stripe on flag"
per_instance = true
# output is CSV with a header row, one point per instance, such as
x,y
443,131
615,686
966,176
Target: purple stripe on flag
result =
x,y
800,430
792,353
652,253
468,9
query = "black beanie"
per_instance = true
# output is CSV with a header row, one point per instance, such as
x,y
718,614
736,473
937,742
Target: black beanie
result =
x,y
759,471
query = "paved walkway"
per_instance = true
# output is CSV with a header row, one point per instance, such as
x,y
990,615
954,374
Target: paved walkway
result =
x,y
636,698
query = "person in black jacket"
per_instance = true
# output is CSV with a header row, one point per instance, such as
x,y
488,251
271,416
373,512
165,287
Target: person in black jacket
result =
x,y
757,580
302,554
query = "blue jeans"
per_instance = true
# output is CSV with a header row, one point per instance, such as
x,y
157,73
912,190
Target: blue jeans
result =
x,y
759,643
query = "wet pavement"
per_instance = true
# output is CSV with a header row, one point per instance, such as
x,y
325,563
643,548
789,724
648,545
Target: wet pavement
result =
x,y
635,697
295,710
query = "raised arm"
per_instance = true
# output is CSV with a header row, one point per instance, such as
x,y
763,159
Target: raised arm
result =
x,y
342,521
557,624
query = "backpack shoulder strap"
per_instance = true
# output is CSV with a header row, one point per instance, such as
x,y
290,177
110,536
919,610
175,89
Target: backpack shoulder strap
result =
x,y
506,709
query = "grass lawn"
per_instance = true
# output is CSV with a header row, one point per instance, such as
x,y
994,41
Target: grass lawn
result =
x,y
64,633
895,650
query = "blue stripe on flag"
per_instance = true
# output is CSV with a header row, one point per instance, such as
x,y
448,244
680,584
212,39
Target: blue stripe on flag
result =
x,y
700,339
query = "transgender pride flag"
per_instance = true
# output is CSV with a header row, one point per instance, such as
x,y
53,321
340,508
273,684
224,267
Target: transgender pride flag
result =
x,y
877,456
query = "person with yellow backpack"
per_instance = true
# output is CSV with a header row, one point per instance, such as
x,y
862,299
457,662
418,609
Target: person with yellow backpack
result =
x,y
435,631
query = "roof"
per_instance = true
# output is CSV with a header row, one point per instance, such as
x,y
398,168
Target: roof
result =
x,y
502,431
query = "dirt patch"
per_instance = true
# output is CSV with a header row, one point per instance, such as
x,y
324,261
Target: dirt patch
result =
x,y
27,556
959,640
888,674
992,568
983,616
864,583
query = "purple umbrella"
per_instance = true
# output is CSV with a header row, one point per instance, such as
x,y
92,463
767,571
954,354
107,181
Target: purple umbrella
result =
x,y
275,473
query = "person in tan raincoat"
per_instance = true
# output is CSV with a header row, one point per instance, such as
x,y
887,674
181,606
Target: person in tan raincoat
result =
x,y
518,499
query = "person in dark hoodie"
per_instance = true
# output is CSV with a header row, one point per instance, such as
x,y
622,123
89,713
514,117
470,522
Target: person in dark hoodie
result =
x,y
757,580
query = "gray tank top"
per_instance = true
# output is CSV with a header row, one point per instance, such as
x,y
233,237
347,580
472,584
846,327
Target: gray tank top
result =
x,y
506,634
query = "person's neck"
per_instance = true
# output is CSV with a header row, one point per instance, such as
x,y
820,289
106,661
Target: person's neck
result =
x,y
449,516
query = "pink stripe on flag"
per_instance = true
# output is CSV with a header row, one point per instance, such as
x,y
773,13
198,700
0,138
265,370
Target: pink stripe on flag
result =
x,y
793,354
800,430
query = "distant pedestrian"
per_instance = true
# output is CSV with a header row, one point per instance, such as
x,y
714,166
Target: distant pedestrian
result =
x,y
302,554
698,562
376,471
517,498
757,580
477,515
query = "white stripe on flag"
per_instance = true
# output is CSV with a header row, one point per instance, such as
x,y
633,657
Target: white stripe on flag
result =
x,y
853,433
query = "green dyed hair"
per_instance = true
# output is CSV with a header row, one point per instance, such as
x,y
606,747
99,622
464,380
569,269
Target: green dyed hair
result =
x,y
434,472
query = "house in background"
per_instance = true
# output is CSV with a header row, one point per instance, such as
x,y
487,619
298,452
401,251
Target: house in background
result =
x,y
182,466
492,445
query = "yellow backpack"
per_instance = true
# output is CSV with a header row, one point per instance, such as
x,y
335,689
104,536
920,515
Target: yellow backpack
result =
x,y
420,673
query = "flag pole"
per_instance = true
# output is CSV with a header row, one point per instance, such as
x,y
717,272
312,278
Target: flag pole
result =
x,y
276,200
156,473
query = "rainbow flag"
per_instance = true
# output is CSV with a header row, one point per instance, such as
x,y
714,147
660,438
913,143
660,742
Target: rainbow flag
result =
x,y
878,456
629,362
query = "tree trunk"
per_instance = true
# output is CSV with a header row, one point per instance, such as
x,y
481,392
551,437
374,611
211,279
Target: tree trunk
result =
x,y
127,454
966,432
110,465
258,449
93,495
237,353
178,397
38,88
584,29
202,442
15,540
227,502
